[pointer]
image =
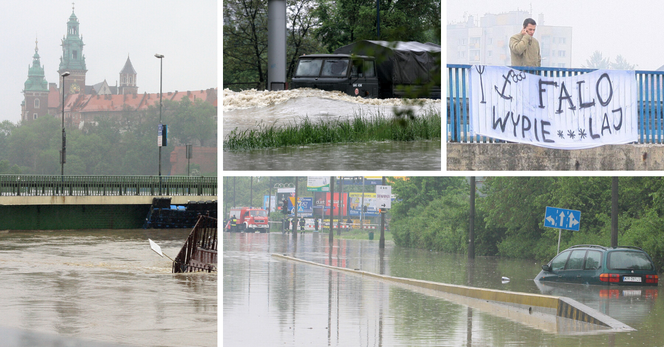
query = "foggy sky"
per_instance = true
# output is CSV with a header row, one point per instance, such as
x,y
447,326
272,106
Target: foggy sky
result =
x,y
185,32
632,29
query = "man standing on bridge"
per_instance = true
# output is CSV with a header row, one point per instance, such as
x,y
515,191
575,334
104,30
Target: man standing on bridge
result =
x,y
524,47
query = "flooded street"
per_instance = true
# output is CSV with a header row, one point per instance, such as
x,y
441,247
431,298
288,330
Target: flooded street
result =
x,y
105,286
384,155
301,304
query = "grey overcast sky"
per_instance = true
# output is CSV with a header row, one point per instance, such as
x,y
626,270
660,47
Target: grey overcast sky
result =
x,y
633,29
185,32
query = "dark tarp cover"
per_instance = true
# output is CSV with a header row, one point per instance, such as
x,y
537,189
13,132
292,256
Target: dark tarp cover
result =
x,y
399,62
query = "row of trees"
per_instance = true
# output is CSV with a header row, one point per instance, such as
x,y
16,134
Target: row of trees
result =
x,y
125,145
433,213
598,61
317,26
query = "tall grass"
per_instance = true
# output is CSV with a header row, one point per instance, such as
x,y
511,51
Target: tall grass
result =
x,y
353,129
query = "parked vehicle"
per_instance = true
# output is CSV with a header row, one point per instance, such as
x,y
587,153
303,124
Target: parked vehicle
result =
x,y
593,264
373,69
250,219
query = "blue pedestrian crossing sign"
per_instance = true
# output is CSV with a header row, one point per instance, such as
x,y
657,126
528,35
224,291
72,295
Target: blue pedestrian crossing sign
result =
x,y
562,218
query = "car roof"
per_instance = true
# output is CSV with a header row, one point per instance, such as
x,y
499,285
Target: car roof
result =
x,y
606,248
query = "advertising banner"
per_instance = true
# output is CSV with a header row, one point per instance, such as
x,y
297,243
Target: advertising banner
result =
x,y
322,200
318,183
355,204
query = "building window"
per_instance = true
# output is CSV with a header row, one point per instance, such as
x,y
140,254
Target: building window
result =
x,y
74,54
34,116
561,53
36,103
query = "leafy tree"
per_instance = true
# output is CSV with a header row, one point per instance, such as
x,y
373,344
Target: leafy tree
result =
x,y
347,21
245,30
420,191
191,122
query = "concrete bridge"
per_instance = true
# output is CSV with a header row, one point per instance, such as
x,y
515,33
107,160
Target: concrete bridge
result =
x,y
43,202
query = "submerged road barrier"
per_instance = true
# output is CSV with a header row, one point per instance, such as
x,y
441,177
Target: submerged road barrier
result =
x,y
554,314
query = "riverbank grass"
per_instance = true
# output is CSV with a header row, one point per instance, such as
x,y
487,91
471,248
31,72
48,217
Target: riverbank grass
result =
x,y
354,129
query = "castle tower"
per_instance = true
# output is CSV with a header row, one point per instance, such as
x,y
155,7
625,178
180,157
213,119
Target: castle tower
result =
x,y
35,91
72,59
128,79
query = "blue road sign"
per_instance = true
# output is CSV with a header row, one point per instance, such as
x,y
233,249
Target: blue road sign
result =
x,y
561,218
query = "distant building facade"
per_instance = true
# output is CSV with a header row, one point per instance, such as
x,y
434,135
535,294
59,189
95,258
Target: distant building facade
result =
x,y
487,43
84,102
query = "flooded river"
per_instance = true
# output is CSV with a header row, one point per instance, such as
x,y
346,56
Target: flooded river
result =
x,y
254,109
298,304
385,155
106,286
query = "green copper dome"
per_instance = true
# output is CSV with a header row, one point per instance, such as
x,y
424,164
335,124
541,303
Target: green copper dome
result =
x,y
72,47
36,81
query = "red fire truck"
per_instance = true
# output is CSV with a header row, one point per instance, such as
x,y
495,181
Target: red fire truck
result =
x,y
250,219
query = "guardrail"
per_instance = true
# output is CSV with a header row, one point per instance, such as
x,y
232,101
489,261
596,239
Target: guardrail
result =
x,y
199,252
650,102
52,185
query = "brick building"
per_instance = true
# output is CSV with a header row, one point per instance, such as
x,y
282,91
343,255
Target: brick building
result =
x,y
84,102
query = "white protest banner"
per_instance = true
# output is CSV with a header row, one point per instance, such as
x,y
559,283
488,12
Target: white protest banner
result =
x,y
576,112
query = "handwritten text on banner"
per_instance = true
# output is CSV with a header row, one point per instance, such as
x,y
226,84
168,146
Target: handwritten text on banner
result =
x,y
583,111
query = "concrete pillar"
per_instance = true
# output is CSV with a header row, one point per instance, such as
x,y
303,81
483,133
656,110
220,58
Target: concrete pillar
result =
x,y
276,44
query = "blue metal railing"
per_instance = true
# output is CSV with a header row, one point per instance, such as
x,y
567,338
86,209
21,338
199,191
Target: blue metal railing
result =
x,y
650,102
53,185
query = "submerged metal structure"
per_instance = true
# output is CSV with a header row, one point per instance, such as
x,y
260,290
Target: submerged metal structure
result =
x,y
199,252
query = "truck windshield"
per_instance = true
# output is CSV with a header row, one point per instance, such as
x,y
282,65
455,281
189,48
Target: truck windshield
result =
x,y
335,67
260,213
309,67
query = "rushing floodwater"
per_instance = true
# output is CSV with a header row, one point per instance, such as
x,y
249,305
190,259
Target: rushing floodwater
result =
x,y
106,286
296,304
253,109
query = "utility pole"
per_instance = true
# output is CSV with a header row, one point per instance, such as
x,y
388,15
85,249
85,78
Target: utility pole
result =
x,y
471,231
269,200
341,206
295,220
614,212
362,207
331,212
381,242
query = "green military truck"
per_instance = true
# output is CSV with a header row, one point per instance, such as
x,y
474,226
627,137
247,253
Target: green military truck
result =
x,y
374,69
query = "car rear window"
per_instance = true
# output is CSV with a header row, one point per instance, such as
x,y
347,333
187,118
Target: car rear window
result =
x,y
628,260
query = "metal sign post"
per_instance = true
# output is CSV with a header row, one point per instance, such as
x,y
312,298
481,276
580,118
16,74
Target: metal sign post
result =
x,y
560,219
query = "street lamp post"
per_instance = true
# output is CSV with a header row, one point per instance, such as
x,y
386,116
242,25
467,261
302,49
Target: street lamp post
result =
x,y
161,65
64,135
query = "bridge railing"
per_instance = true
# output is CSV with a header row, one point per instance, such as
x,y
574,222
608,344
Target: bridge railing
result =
x,y
650,97
53,185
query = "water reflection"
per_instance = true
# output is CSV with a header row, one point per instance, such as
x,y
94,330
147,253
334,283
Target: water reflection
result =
x,y
301,304
383,155
628,304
